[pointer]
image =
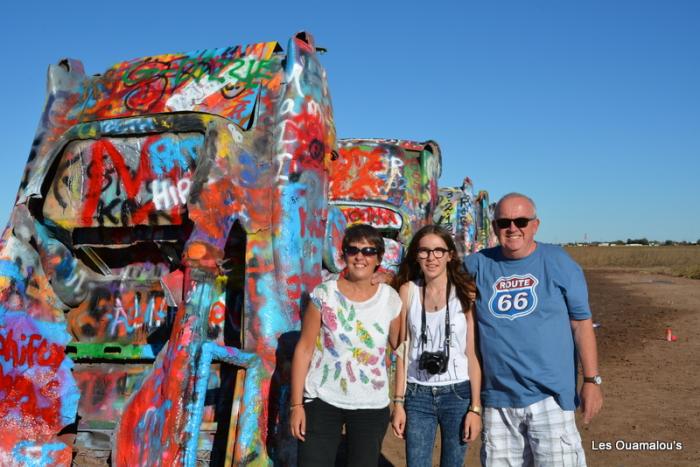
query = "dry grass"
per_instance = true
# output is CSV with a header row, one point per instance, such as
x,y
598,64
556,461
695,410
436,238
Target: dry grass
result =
x,y
683,261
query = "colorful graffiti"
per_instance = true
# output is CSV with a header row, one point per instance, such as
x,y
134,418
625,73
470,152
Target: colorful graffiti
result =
x,y
485,236
390,184
174,214
170,223
38,395
467,217
94,185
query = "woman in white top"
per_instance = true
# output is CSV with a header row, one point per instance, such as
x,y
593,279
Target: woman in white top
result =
x,y
439,361
339,372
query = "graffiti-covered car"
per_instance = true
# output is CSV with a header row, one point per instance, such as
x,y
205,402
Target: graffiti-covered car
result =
x,y
466,216
169,224
390,184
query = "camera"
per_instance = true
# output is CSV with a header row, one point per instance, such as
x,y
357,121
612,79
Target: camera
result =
x,y
434,363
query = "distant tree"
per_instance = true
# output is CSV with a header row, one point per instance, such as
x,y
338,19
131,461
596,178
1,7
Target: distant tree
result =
x,y
698,242
637,241
668,243
618,242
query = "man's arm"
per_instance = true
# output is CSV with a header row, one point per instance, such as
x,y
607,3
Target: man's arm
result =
x,y
591,394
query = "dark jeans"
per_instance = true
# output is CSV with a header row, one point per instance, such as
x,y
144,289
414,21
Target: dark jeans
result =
x,y
426,408
364,430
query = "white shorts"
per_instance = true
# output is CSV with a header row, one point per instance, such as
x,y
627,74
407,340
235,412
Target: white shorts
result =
x,y
541,434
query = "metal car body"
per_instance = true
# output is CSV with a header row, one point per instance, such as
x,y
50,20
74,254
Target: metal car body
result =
x,y
390,184
466,216
171,220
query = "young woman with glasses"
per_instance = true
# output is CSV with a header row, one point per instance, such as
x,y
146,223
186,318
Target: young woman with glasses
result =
x,y
438,361
339,374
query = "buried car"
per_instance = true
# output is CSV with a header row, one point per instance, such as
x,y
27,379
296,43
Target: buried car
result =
x,y
170,222
391,184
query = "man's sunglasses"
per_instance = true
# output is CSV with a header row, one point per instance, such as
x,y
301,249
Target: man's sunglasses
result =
x,y
366,251
520,222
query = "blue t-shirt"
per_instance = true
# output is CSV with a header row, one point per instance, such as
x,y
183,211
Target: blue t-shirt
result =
x,y
524,310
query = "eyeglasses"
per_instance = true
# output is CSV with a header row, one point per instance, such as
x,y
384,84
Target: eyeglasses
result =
x,y
520,222
366,251
424,253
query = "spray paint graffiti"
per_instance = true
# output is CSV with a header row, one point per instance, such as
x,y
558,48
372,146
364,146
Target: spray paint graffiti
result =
x,y
390,184
486,237
125,316
174,213
379,217
38,396
95,186
466,217
170,222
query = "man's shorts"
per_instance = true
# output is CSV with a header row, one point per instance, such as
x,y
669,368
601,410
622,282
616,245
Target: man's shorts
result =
x,y
540,434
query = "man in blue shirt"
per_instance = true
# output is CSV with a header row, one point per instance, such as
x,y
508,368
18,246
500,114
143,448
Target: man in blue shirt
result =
x,y
534,320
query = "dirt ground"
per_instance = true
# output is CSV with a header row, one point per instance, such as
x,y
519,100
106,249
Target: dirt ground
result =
x,y
651,412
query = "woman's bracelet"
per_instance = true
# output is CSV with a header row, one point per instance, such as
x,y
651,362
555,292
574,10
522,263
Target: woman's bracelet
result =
x,y
398,400
475,409
291,406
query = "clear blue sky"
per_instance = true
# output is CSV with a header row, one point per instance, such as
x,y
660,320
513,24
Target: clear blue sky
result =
x,y
591,107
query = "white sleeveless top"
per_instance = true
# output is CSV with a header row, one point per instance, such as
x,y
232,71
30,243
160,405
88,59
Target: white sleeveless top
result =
x,y
457,367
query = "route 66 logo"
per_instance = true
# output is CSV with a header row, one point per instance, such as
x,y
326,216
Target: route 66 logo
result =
x,y
513,296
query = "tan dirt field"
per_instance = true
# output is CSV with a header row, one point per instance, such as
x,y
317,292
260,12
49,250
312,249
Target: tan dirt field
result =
x,y
651,386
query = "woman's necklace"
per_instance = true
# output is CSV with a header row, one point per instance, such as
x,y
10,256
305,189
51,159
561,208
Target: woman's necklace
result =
x,y
436,301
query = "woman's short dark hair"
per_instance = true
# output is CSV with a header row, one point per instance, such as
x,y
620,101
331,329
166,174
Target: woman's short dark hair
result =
x,y
358,232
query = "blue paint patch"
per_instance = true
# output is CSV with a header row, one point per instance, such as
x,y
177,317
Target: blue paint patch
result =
x,y
248,422
250,174
273,321
126,126
170,151
11,270
66,267
291,200
70,395
29,454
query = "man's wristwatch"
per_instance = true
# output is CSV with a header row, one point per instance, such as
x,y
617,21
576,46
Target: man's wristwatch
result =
x,y
593,379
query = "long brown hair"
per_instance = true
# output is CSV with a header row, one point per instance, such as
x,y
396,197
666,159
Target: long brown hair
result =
x,y
410,269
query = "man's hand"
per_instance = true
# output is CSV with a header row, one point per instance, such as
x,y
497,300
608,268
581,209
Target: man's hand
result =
x,y
382,276
591,394
591,401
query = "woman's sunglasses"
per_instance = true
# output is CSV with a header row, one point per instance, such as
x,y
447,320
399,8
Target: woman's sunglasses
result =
x,y
366,251
520,222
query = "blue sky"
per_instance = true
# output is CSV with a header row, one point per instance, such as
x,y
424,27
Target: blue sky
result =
x,y
590,107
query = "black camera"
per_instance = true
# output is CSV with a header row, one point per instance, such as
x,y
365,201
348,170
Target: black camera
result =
x,y
434,363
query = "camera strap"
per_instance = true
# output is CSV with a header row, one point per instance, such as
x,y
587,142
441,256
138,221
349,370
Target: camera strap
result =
x,y
423,335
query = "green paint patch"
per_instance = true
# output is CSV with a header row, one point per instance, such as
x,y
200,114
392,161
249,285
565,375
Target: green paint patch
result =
x,y
109,351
